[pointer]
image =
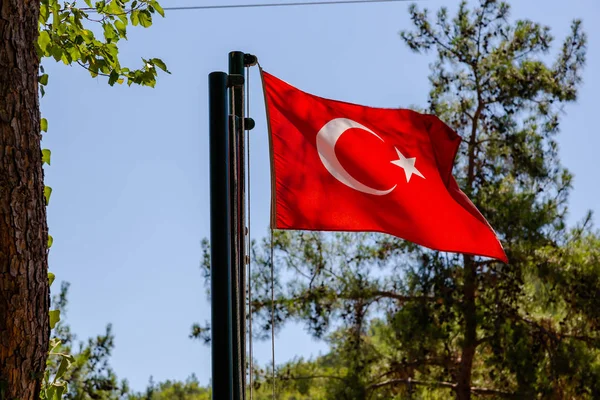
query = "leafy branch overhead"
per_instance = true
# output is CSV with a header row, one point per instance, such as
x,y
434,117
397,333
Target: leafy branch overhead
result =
x,y
66,36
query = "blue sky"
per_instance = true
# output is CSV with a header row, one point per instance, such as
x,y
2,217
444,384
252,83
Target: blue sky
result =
x,y
130,165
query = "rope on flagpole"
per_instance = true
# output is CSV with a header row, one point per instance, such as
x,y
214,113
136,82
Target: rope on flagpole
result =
x,y
272,314
235,278
262,5
249,243
272,258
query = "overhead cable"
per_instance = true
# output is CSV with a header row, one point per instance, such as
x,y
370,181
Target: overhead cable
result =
x,y
257,5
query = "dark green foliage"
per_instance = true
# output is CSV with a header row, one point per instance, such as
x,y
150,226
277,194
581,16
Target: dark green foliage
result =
x,y
89,375
173,390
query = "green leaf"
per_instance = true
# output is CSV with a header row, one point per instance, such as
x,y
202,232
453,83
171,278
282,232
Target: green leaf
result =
x,y
74,53
50,392
47,193
135,17
121,28
55,344
113,50
59,391
56,15
44,79
93,70
87,35
44,124
145,18
158,9
44,14
43,41
113,77
62,368
50,241
51,277
56,52
54,318
109,32
100,5
114,8
46,153
160,64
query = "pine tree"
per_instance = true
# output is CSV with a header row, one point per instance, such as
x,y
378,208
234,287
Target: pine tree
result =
x,y
405,321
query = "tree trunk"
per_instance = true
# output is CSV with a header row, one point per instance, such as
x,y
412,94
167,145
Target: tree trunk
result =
x,y
463,387
24,296
463,384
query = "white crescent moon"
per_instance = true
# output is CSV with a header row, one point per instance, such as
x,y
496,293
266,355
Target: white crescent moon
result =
x,y
326,140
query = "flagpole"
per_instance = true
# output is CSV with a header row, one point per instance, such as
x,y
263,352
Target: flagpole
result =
x,y
238,222
228,228
220,239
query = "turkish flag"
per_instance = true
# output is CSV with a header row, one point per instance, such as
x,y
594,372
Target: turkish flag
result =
x,y
344,167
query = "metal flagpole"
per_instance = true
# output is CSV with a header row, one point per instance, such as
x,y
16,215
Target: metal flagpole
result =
x,y
238,123
220,239
238,243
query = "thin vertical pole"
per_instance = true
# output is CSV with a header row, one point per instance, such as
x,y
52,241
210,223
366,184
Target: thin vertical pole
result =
x,y
238,183
220,239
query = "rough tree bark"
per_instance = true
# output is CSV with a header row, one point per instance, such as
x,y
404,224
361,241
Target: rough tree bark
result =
x,y
24,295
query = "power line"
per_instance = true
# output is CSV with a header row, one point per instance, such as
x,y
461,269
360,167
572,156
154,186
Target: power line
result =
x,y
299,3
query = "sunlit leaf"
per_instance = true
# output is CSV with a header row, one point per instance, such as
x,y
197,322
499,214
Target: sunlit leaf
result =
x,y
44,40
135,17
54,318
47,194
158,8
51,276
121,28
160,64
59,391
145,18
46,153
62,368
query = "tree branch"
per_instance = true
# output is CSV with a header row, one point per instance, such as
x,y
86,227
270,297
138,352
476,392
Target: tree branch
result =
x,y
495,392
410,381
292,378
399,297
558,335
86,67
444,385
375,295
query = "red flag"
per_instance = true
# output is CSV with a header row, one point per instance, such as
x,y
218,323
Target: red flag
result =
x,y
345,167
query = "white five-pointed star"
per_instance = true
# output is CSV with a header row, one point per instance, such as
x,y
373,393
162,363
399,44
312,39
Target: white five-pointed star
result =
x,y
408,165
